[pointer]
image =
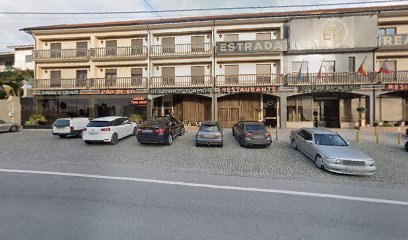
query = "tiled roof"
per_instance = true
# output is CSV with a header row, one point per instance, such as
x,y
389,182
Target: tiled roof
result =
x,y
223,17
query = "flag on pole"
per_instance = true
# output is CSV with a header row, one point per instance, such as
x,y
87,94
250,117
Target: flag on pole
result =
x,y
362,70
319,74
299,76
384,68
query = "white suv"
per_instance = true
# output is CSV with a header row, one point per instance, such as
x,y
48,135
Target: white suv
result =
x,y
108,129
64,127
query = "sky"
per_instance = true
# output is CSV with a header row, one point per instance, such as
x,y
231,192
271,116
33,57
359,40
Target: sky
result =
x,y
10,24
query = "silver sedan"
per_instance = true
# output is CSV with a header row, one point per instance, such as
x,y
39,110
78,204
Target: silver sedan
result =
x,y
8,126
331,152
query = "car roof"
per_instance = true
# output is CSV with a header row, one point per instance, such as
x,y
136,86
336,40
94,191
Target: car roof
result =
x,y
209,123
251,122
320,130
71,118
110,118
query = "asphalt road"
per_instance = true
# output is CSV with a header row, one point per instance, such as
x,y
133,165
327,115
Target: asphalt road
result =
x,y
36,206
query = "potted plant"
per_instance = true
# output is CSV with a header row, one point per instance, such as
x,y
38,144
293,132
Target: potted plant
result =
x,y
362,111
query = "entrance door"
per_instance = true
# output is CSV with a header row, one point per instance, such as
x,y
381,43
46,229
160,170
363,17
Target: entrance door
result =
x,y
228,116
270,111
81,76
110,77
197,44
137,46
111,47
328,112
137,77
55,80
168,74
81,49
55,50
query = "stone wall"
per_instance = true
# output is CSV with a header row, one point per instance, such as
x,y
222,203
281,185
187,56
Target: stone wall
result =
x,y
10,110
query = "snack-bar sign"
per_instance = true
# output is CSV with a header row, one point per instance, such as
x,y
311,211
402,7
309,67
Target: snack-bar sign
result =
x,y
139,101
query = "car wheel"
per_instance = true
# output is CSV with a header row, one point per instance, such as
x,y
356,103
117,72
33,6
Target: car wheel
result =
x,y
13,128
241,142
319,162
233,133
294,144
81,134
197,144
406,146
221,145
114,139
62,136
182,131
88,142
169,139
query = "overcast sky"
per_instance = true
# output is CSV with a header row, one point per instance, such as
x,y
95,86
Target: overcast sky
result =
x,y
10,24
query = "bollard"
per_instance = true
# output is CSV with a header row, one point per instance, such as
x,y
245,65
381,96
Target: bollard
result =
x,y
276,135
375,130
377,137
270,129
357,136
399,138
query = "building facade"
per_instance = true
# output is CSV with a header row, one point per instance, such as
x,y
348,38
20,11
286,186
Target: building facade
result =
x,y
262,67
23,56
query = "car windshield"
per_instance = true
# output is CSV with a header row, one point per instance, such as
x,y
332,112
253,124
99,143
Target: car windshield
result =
x,y
99,124
61,123
209,128
254,127
329,140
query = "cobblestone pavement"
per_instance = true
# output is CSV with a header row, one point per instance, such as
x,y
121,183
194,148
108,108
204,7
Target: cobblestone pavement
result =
x,y
280,161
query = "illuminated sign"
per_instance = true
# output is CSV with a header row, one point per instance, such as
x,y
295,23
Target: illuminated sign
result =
x,y
119,91
139,101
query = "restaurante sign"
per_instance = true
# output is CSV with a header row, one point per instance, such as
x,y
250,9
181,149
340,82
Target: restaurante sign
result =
x,y
276,45
247,89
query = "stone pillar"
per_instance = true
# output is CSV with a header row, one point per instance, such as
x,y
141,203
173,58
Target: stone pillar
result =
x,y
283,111
214,108
371,109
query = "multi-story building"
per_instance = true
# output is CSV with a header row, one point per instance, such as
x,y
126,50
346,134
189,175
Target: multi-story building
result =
x,y
6,61
262,66
23,56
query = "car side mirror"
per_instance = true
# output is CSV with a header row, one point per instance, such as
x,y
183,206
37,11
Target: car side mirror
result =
x,y
309,141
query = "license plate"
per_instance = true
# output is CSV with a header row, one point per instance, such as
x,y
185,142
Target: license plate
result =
x,y
147,131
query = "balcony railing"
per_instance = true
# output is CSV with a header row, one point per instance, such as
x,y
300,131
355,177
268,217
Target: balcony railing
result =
x,y
249,80
118,82
78,53
60,83
181,49
181,81
392,77
333,78
114,52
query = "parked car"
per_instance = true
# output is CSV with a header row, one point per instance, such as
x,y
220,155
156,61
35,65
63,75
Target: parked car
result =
x,y
209,133
8,126
64,127
331,152
108,129
406,145
159,130
251,133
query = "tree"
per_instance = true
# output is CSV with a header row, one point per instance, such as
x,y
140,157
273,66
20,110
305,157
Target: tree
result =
x,y
15,79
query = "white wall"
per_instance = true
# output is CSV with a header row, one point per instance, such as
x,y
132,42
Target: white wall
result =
x,y
245,36
20,59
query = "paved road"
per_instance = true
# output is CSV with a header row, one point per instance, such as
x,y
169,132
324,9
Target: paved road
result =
x,y
62,207
39,150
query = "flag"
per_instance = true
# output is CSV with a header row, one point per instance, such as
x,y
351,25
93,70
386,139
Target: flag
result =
x,y
362,70
384,68
319,74
299,76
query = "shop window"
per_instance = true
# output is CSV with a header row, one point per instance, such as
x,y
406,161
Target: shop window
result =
x,y
299,109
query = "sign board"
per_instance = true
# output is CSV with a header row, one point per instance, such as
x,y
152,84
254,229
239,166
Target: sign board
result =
x,y
88,92
227,90
328,88
257,46
180,91
345,32
56,92
394,41
396,87
139,101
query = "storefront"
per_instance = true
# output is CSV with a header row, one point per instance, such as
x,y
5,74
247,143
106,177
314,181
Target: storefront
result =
x,y
393,106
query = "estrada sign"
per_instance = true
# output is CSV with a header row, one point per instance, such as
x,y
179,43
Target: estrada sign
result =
x,y
394,41
277,45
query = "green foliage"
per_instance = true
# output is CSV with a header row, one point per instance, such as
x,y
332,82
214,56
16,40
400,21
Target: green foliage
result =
x,y
361,109
36,119
137,118
15,79
3,94
387,124
376,124
397,124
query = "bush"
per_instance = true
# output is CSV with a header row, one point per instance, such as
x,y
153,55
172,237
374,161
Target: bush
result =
x,y
397,124
36,119
361,109
376,124
137,118
387,124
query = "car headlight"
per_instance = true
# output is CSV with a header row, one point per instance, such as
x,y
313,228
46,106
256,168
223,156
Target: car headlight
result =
x,y
370,163
333,160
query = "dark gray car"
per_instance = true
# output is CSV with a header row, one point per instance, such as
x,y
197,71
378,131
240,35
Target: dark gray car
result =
x,y
331,152
8,126
210,133
251,133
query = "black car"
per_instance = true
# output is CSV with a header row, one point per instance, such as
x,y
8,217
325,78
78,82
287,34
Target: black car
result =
x,y
159,130
251,133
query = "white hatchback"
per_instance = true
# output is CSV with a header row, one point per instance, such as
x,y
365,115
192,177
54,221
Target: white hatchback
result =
x,y
108,129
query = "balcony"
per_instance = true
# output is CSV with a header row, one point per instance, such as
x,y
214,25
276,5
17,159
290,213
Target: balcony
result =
x,y
181,81
43,84
249,80
119,53
333,78
118,83
200,49
61,54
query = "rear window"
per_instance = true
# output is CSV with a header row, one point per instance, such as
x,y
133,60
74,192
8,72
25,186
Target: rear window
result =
x,y
61,123
254,127
99,124
154,123
209,128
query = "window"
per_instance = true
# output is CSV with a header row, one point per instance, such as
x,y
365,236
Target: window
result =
x,y
81,76
387,31
9,65
55,80
81,49
2,122
99,124
168,74
263,36
111,47
110,77
168,44
137,46
231,74
197,75
136,76
55,50
307,135
231,37
297,64
28,58
352,64
197,44
254,128
263,73
329,140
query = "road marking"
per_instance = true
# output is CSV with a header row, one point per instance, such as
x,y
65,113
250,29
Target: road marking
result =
x,y
211,186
